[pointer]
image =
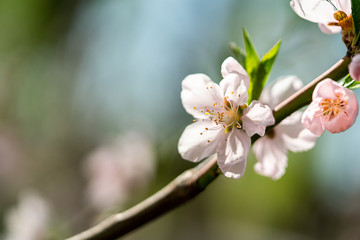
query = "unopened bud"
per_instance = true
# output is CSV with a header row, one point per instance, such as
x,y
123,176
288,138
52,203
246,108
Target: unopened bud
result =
x,y
354,67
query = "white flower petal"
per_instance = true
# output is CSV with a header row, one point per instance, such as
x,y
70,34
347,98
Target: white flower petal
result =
x,y
194,146
198,92
235,170
318,11
234,89
279,90
256,118
232,154
345,5
295,136
271,154
230,65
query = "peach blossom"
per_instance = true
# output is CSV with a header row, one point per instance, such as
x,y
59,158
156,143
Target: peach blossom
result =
x,y
223,122
333,108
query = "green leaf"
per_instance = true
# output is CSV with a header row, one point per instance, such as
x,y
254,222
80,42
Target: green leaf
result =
x,y
251,63
264,69
257,70
238,53
355,9
252,59
351,83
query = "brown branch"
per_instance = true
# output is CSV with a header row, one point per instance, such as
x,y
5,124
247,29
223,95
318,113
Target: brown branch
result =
x,y
192,182
303,97
183,188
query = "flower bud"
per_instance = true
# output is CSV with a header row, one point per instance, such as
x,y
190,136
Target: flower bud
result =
x,y
354,68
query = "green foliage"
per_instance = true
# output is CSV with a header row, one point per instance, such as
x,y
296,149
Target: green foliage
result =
x,y
355,8
251,59
350,83
267,62
258,70
239,53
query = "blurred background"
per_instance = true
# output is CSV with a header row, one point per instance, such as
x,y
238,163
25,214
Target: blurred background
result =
x,y
90,116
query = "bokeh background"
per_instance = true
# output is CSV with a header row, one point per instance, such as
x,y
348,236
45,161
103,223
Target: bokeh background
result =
x,y
90,116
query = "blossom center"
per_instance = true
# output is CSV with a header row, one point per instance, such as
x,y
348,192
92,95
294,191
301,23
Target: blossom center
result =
x,y
332,107
231,116
228,116
344,21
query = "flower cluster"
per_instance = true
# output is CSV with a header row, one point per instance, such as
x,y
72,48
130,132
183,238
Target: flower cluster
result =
x,y
224,123
334,107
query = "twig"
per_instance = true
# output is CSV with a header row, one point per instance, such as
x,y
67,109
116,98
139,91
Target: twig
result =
x,y
183,188
192,182
303,97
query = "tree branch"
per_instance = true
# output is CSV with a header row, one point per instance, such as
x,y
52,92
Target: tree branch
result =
x,y
183,188
303,97
192,182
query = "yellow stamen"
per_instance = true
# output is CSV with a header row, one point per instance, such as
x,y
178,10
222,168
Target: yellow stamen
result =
x,y
344,21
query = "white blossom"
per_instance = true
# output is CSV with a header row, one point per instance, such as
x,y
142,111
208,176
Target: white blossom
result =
x,y
224,122
271,150
332,16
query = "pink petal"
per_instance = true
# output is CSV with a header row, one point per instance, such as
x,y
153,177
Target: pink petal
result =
x,y
279,90
310,121
346,118
198,92
234,89
318,11
256,118
194,146
232,154
354,68
295,136
230,65
325,89
271,154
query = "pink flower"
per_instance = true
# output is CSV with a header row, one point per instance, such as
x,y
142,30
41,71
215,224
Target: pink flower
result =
x,y
354,67
333,108
224,123
271,150
331,16
118,168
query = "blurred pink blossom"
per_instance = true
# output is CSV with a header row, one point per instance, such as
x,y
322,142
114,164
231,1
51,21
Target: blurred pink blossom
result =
x,y
224,121
118,168
29,220
331,16
333,108
271,150
354,67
